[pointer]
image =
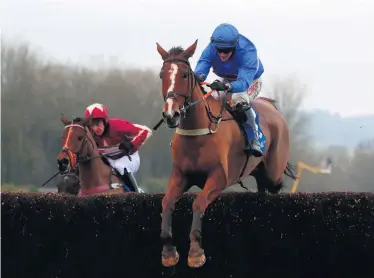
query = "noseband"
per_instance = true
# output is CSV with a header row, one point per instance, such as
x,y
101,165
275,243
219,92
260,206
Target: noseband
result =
x,y
191,87
192,81
80,158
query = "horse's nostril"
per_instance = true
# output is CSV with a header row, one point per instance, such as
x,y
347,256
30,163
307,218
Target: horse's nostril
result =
x,y
63,164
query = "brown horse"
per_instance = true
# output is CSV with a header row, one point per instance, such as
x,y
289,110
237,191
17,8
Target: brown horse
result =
x,y
95,173
212,159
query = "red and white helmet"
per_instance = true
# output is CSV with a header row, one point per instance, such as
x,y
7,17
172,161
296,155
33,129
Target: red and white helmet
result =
x,y
97,111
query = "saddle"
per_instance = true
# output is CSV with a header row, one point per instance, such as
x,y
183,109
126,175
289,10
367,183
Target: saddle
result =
x,y
112,153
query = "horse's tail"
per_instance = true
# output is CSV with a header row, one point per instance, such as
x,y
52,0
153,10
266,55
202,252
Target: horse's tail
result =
x,y
291,171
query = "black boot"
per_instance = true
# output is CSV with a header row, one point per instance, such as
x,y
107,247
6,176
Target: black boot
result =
x,y
252,147
130,181
242,107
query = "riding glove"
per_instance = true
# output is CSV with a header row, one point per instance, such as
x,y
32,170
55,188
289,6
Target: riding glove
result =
x,y
126,146
219,86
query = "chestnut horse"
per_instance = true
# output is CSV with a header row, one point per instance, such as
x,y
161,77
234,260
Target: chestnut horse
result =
x,y
95,173
211,159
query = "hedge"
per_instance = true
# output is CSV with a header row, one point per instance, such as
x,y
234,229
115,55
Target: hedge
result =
x,y
244,235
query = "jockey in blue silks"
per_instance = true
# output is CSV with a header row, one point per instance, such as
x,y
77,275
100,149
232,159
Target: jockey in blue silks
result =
x,y
234,59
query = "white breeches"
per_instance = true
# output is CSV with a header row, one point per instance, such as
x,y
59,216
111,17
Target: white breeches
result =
x,y
124,162
247,96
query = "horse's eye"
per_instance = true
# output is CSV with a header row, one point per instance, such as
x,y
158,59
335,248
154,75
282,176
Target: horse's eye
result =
x,y
80,138
185,75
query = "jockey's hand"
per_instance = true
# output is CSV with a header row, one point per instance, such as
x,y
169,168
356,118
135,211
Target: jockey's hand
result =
x,y
126,146
219,86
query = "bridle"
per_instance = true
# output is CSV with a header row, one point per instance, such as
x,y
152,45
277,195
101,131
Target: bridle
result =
x,y
84,147
192,82
191,87
84,158
74,162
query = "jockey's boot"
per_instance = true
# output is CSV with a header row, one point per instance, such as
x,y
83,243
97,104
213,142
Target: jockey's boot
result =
x,y
253,147
242,107
130,181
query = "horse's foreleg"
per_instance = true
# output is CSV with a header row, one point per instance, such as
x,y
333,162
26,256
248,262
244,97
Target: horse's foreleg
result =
x,y
170,256
214,185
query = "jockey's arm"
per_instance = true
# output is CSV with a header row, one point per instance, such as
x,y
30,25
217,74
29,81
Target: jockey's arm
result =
x,y
204,63
246,73
139,133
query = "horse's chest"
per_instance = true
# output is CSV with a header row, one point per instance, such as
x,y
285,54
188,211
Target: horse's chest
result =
x,y
197,159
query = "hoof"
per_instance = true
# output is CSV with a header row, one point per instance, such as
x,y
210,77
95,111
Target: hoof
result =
x,y
196,261
170,260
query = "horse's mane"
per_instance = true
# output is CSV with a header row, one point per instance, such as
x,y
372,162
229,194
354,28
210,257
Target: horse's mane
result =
x,y
77,120
176,50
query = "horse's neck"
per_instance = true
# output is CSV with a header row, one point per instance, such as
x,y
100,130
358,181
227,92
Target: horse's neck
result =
x,y
197,117
94,170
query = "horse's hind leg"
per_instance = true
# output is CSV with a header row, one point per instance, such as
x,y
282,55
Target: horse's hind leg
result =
x,y
274,166
264,182
170,256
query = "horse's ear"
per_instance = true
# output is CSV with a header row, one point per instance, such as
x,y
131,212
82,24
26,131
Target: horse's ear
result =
x,y
164,54
190,50
86,120
64,119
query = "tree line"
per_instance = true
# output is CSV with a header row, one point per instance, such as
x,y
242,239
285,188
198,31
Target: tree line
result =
x,y
35,92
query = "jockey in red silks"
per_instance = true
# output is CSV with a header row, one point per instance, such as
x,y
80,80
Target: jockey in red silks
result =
x,y
113,132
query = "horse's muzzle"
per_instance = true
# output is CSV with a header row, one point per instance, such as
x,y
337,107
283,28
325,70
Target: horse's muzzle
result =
x,y
171,121
63,165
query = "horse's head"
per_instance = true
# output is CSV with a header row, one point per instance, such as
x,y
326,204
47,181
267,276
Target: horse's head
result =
x,y
74,143
178,81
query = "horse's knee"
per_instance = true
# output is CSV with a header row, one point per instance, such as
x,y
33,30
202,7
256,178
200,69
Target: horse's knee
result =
x,y
203,200
168,202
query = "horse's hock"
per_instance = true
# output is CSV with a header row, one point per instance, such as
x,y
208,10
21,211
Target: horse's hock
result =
x,y
248,235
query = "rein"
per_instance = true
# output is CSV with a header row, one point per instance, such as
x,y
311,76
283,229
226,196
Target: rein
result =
x,y
74,166
69,152
188,104
87,158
